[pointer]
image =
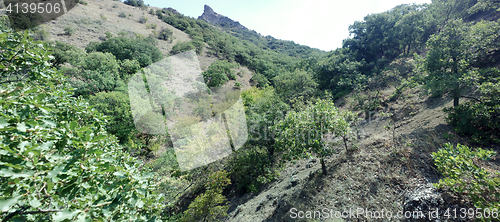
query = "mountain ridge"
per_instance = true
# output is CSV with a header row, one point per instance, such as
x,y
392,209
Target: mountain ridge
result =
x,y
210,16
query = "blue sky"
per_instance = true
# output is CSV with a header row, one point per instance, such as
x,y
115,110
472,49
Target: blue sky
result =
x,y
321,24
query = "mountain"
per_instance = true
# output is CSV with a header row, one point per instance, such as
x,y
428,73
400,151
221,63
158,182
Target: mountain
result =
x,y
210,16
265,42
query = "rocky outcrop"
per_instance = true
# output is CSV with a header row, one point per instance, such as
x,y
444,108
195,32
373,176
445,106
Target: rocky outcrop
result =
x,y
425,200
210,16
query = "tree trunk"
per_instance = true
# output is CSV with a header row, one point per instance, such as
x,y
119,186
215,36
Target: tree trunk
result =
x,y
323,166
456,100
345,142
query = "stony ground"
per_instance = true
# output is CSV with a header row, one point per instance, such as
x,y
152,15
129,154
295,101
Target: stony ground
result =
x,y
375,177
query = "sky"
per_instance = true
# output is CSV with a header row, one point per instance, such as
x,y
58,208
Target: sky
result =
x,y
321,24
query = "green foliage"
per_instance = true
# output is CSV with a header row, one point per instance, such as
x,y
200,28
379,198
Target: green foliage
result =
x,y
64,52
260,79
128,68
40,34
484,5
301,134
455,54
297,84
68,31
122,15
181,47
22,60
142,49
207,206
479,120
108,34
116,106
219,73
381,37
237,85
165,34
95,72
459,166
4,22
143,20
251,169
135,3
57,162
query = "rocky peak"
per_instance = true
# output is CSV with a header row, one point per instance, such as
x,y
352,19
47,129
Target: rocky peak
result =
x,y
210,16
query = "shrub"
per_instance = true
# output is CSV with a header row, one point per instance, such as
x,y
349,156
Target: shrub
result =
x,y
207,206
122,15
181,47
165,34
142,49
251,169
151,26
68,31
108,34
143,20
260,79
64,52
479,120
237,85
219,73
41,34
462,174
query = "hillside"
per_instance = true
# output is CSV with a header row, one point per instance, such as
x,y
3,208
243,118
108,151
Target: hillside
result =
x,y
404,118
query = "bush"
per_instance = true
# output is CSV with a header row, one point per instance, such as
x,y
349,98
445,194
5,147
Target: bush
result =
x,y
64,52
260,80
251,169
143,20
41,34
181,47
165,34
68,31
151,26
479,120
122,15
207,206
219,73
135,3
116,106
96,72
237,85
142,49
463,175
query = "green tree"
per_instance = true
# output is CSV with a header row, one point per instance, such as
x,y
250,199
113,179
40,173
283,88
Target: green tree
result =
x,y
302,134
292,85
95,72
209,206
165,34
116,106
449,62
57,163
219,73
142,49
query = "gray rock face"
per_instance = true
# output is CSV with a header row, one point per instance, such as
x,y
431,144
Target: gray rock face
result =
x,y
210,16
423,203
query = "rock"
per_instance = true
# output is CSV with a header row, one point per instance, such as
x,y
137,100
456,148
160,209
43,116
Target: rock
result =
x,y
294,180
425,199
210,16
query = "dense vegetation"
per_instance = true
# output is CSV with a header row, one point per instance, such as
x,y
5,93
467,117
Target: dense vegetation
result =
x,y
57,146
